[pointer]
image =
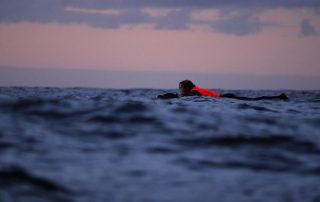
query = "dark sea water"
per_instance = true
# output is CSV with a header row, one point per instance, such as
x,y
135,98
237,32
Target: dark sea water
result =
x,y
87,145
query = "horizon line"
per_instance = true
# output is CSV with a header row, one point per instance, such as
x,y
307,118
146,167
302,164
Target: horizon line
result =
x,y
131,79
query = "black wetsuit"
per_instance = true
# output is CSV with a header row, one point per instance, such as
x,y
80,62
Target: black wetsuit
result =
x,y
278,97
229,95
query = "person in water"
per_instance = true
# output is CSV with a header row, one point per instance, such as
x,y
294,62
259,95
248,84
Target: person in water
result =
x,y
187,88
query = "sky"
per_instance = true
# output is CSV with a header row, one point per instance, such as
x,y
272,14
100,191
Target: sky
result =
x,y
237,44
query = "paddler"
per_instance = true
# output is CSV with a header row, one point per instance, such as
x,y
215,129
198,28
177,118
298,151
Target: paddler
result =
x,y
188,88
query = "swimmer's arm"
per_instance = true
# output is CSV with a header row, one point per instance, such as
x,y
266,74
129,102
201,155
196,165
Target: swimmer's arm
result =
x,y
175,95
168,96
195,93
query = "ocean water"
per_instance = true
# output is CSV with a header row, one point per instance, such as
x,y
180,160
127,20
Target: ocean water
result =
x,y
81,144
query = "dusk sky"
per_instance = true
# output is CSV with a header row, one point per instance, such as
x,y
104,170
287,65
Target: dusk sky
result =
x,y
143,43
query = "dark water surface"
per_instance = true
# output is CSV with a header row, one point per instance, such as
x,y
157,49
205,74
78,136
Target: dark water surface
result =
x,y
88,145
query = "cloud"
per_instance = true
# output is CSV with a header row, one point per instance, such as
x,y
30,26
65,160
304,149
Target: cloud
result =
x,y
195,4
163,14
177,19
158,12
307,29
240,25
205,14
93,11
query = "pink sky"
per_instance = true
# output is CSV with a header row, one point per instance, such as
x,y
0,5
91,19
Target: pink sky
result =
x,y
276,50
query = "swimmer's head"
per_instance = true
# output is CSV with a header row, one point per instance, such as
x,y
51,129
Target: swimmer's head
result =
x,y
185,87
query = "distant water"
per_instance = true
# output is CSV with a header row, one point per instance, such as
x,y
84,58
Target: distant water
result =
x,y
87,145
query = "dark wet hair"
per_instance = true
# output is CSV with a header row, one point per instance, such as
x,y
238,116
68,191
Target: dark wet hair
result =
x,y
187,84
